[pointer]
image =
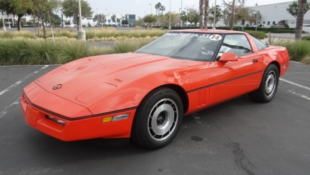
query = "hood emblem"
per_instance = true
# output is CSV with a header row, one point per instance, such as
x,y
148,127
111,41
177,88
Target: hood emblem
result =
x,y
58,86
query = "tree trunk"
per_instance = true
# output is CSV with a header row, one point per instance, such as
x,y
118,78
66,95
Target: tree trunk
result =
x,y
232,16
201,3
44,31
18,21
77,23
3,22
39,26
300,19
206,13
34,25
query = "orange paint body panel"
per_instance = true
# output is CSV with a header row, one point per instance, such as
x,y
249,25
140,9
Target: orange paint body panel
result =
x,y
91,89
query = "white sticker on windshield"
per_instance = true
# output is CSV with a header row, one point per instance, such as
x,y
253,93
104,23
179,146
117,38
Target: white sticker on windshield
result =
x,y
210,52
215,37
195,35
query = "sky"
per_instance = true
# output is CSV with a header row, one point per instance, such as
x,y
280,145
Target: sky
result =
x,y
143,7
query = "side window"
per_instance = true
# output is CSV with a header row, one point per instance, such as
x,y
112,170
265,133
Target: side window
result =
x,y
260,45
237,44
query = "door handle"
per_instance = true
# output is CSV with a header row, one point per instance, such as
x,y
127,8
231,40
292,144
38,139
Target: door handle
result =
x,y
255,60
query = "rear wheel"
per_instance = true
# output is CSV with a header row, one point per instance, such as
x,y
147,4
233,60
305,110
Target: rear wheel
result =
x,y
158,119
268,86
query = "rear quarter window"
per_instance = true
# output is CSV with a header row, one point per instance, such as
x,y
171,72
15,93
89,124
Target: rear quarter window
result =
x,y
260,45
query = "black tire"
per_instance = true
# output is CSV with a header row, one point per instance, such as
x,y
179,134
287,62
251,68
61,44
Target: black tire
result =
x,y
266,90
160,109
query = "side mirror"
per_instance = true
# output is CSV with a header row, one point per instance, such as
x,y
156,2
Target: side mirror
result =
x,y
228,57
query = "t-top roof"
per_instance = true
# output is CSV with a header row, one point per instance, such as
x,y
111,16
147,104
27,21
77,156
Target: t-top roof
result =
x,y
206,31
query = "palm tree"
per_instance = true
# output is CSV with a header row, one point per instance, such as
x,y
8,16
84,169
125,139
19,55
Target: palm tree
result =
x,y
157,7
300,18
201,3
206,14
161,9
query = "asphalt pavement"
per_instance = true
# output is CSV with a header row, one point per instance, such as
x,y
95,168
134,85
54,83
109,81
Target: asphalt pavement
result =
x,y
238,137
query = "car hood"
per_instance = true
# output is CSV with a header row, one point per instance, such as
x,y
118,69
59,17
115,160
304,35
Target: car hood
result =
x,y
83,80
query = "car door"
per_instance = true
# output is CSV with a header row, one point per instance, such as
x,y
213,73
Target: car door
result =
x,y
234,78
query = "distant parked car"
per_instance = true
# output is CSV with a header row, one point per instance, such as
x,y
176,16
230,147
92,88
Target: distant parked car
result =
x,y
277,26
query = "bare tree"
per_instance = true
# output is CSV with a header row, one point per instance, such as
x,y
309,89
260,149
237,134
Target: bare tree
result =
x,y
232,15
300,18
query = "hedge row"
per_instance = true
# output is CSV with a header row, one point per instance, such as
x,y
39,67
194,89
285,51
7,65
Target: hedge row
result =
x,y
306,38
257,34
297,50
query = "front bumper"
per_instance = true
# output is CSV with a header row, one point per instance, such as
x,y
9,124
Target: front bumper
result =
x,y
89,127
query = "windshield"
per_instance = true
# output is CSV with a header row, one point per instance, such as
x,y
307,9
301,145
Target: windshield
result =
x,y
191,46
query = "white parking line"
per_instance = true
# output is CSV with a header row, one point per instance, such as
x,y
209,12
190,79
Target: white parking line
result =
x,y
5,111
295,84
296,62
29,65
20,81
300,95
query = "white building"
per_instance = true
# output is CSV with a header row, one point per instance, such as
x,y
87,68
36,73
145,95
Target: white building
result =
x,y
272,14
9,19
108,21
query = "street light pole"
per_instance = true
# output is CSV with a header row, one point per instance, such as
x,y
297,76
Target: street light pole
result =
x,y
170,16
151,9
81,32
181,12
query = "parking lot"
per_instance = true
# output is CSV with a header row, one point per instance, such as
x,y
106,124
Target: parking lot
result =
x,y
236,137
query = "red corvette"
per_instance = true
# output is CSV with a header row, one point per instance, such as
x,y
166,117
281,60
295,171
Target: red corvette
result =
x,y
144,95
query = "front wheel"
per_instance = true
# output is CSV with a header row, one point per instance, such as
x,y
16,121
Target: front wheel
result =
x,y
158,119
268,86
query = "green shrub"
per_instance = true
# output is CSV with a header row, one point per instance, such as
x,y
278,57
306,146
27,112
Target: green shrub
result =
x,y
257,34
102,33
94,51
297,50
306,38
65,33
27,51
14,52
90,35
16,34
128,46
